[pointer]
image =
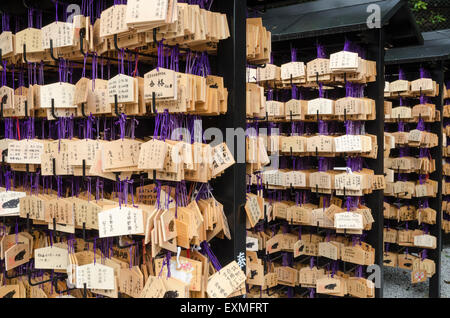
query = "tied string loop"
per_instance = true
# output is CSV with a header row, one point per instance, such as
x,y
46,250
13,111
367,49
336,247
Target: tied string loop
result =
x,y
293,55
401,126
294,92
355,164
424,254
424,73
352,203
59,184
99,185
206,250
121,65
160,63
270,95
166,262
321,91
204,65
359,271
89,128
30,17
158,194
347,45
134,123
165,125
325,164
421,125
321,52
286,259
157,126
5,22
4,80
122,122
94,70
130,185
84,8
39,19
41,74
202,193
333,269
401,74
8,177
323,128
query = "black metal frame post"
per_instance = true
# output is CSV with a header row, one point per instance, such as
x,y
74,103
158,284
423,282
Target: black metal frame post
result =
x,y
231,64
375,91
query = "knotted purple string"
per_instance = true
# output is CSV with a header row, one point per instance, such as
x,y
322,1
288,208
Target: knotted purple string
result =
x,y
206,250
122,122
401,126
321,52
5,22
323,127
401,74
424,254
359,271
351,203
347,45
321,90
424,73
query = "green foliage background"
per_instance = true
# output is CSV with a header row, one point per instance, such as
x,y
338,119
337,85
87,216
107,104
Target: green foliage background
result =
x,y
431,15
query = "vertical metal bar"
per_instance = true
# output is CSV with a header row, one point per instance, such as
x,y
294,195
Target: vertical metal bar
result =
x,y
375,200
231,186
436,230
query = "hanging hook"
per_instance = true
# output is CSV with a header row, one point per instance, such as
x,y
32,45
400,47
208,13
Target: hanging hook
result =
x,y
26,109
82,35
83,112
31,272
25,54
52,110
155,111
1,109
52,54
84,168
116,105
54,167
